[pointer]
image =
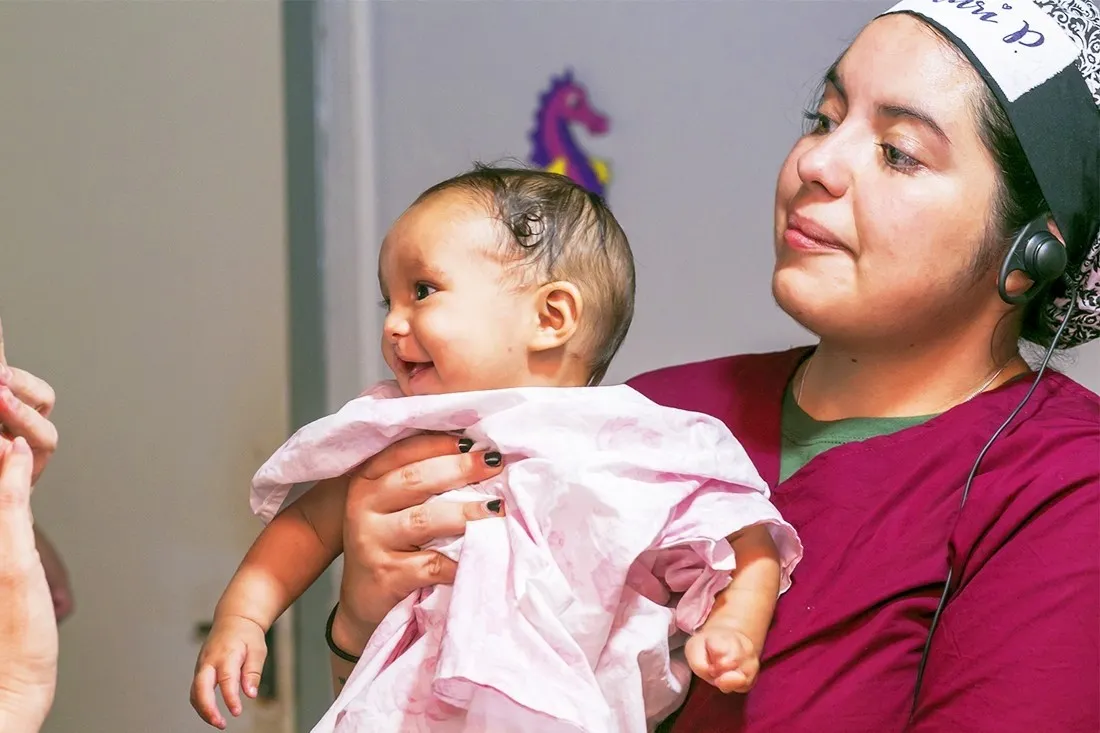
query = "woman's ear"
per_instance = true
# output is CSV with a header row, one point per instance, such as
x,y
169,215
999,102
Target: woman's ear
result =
x,y
1055,231
559,307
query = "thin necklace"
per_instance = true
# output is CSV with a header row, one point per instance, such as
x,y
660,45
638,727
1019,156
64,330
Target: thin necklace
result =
x,y
983,388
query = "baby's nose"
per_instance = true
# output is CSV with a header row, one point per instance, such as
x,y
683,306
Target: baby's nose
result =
x,y
395,326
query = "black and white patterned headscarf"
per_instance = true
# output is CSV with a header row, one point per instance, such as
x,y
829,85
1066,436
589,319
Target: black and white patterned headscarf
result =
x,y
1041,58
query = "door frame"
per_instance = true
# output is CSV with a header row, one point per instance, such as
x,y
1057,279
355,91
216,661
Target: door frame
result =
x,y
333,253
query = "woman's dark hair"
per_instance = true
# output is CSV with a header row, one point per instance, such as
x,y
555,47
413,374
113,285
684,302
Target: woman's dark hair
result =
x,y
1017,201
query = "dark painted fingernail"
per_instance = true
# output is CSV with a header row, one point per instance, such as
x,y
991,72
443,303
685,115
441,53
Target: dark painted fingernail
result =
x,y
464,445
493,506
493,459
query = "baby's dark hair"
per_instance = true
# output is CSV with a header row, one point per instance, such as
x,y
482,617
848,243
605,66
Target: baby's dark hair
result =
x,y
563,232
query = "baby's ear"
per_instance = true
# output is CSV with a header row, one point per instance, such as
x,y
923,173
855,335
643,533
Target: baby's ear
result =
x,y
559,313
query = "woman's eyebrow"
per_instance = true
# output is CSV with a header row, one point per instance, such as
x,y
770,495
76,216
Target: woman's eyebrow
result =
x,y
895,111
899,111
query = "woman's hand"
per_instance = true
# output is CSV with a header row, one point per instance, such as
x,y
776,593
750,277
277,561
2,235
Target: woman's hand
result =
x,y
28,630
386,523
56,575
25,405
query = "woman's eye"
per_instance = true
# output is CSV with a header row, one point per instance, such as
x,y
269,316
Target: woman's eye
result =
x,y
817,123
897,159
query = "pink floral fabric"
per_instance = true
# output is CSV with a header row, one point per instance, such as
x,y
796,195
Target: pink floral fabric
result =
x,y
569,612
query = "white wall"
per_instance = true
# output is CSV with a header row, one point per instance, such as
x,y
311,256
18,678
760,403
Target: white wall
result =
x,y
143,272
705,100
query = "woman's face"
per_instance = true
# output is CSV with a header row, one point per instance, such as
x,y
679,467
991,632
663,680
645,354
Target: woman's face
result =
x,y
882,207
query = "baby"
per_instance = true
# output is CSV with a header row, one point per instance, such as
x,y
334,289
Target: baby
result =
x,y
497,284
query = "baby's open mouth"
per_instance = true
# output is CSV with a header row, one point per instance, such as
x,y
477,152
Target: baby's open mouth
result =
x,y
414,368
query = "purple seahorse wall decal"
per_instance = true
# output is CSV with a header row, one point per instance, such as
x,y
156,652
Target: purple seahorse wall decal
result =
x,y
553,147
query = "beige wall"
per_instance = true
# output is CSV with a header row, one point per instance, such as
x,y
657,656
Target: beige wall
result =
x,y
142,272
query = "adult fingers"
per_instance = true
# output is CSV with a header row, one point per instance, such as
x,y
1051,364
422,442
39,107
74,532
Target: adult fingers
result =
x,y
428,567
16,524
412,450
420,524
32,391
414,483
19,420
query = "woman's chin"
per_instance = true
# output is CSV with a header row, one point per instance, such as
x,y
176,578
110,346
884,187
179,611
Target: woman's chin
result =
x,y
807,301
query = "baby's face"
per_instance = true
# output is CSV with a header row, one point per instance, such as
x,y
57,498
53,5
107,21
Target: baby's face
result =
x,y
454,322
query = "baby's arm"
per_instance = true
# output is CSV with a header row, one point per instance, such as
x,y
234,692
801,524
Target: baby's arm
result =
x,y
288,556
726,651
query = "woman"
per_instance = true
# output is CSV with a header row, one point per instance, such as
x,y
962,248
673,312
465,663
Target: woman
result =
x,y
896,212
28,630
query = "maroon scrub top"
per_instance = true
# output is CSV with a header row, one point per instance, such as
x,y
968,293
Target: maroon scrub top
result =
x,y
1018,646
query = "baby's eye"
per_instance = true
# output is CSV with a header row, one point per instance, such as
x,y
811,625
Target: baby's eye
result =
x,y
423,290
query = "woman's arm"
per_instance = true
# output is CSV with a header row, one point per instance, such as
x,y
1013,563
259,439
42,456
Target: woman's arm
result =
x,y
386,523
1018,646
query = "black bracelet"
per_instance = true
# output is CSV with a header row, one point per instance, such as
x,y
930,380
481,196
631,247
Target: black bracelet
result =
x,y
332,644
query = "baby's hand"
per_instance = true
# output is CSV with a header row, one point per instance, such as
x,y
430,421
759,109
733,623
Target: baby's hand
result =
x,y
724,657
232,657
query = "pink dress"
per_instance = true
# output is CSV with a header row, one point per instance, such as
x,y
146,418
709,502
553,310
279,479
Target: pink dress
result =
x,y
568,613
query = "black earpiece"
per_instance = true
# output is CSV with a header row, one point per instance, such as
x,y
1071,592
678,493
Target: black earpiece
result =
x,y
1038,254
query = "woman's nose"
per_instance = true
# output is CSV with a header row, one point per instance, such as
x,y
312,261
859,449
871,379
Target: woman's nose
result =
x,y
828,164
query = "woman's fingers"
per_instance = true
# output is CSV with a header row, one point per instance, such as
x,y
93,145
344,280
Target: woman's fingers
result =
x,y
18,419
412,450
414,483
27,387
403,574
428,567
386,522
25,405
420,524
16,525
31,391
